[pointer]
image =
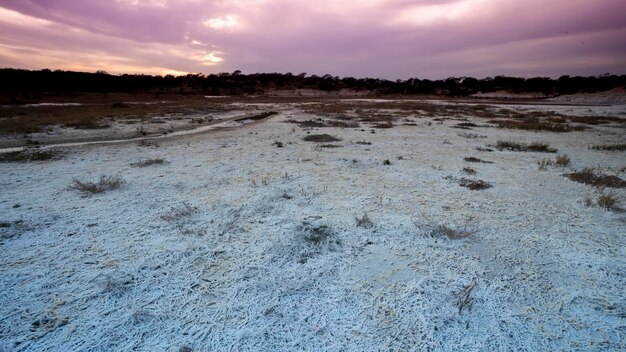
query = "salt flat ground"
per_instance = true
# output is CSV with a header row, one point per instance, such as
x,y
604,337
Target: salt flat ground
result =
x,y
239,243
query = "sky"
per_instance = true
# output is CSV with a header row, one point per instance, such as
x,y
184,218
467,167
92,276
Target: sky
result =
x,y
393,39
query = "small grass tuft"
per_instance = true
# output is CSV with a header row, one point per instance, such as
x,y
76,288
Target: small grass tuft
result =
x,y
364,221
607,201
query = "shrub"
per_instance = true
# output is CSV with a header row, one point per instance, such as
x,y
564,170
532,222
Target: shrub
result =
x,y
544,163
474,185
609,147
104,183
149,162
472,159
469,171
364,221
321,138
454,231
387,162
607,201
29,155
562,160
176,214
315,234
520,147
588,177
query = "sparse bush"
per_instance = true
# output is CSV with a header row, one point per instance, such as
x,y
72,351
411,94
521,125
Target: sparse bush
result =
x,y
176,214
104,183
315,234
455,231
30,155
474,185
520,147
387,162
278,144
469,171
472,159
609,147
544,163
364,221
562,160
471,135
387,124
321,138
148,162
607,201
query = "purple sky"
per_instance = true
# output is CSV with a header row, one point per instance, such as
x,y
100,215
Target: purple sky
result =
x,y
368,38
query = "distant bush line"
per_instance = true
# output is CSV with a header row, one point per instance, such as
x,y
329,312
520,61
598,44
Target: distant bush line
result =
x,y
23,85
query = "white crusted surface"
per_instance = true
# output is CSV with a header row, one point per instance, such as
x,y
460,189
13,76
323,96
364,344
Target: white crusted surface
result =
x,y
106,272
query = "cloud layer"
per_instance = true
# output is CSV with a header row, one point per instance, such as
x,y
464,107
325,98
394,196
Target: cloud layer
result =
x,y
367,38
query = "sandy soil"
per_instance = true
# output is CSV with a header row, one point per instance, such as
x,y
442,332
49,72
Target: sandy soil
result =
x,y
237,244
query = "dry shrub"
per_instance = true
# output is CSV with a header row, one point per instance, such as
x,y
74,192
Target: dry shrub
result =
x,y
30,155
588,177
609,147
149,162
521,147
469,171
607,201
535,125
454,231
387,124
176,214
472,159
474,185
103,184
544,163
364,221
562,160
321,138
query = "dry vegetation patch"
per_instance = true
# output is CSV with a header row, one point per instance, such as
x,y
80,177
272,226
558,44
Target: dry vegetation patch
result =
x,y
149,162
474,185
321,138
531,124
103,184
589,177
472,159
30,155
521,147
609,147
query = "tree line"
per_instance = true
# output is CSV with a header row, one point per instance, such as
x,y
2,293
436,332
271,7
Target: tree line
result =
x,y
22,85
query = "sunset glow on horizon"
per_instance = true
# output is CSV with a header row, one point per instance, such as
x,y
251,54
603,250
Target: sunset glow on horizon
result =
x,y
372,38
